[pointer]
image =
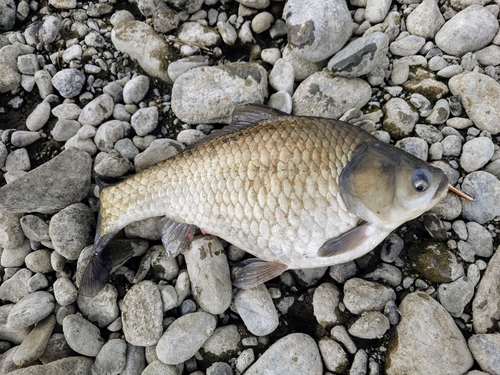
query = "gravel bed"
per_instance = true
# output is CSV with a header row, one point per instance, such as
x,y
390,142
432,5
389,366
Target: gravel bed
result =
x,y
112,87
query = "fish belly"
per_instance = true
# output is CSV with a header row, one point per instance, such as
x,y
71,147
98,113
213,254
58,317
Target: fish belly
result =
x,y
271,189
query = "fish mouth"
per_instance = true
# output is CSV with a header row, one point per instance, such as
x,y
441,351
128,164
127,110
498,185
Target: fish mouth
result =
x,y
442,189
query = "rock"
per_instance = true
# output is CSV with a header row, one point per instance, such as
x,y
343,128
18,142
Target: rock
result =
x,y
39,117
159,150
360,56
376,11
415,146
31,309
66,111
136,362
72,229
262,22
425,325
208,270
82,336
101,309
325,95
480,239
334,356
11,234
136,89
10,79
194,32
425,20
407,46
316,30
39,261
425,83
15,335
480,183
24,138
294,354
43,82
371,325
34,345
144,45
57,348
400,118
111,358
7,15
223,341
257,310
456,295
486,351
113,165
485,307
184,337
469,30
479,94
361,295
108,134
71,365
476,153
49,29
196,94
190,136
65,291
98,110
282,76
142,314
16,287
326,300
176,68
145,120
82,140
302,68
489,55
68,82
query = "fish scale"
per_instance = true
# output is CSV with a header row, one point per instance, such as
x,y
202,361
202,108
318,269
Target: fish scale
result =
x,y
271,189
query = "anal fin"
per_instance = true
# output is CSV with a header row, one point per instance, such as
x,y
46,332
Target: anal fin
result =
x,y
347,242
257,271
175,236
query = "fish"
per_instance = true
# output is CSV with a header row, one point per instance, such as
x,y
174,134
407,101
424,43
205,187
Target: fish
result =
x,y
296,192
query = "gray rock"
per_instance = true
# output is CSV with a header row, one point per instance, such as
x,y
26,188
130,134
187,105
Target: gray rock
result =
x,y
256,4
325,95
360,56
145,120
326,299
10,79
407,46
72,229
108,134
101,309
15,257
142,314
223,341
400,118
43,82
316,30
7,15
282,76
56,348
456,295
480,238
341,272
208,270
425,325
302,67
391,248
16,287
440,113
469,30
452,145
415,146
190,136
23,138
485,307
262,22
35,228
15,335
359,363
72,365
371,325
82,336
376,11
111,358
227,32
18,160
245,359
486,351
11,234
98,110
127,148
82,140
184,337
476,153
484,185
194,32
49,29
28,64
72,53
196,94
68,82
428,133
178,67
489,55
136,89
67,111
425,20
35,343
39,261
136,361
113,165
65,291
257,310
294,354
281,100
39,117
387,273
31,309
334,356
159,150
361,295
159,368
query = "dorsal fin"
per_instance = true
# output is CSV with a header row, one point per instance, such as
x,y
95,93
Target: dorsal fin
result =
x,y
243,116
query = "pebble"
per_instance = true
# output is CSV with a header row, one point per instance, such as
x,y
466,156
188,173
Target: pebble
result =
x,y
98,110
476,153
456,295
39,117
371,325
480,239
35,228
65,291
480,183
256,309
159,150
425,20
176,68
82,336
136,89
362,295
111,358
400,119
71,229
31,309
484,306
282,76
334,356
101,309
108,134
16,287
241,83
56,348
35,343
294,354
39,261
223,341
208,270
68,82
486,350
407,46
142,314
66,111
458,36
184,337
326,299
425,325
325,95
262,22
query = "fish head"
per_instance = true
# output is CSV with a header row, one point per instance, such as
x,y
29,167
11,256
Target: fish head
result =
x,y
386,186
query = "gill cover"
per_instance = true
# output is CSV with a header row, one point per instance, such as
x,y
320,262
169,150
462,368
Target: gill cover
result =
x,y
386,186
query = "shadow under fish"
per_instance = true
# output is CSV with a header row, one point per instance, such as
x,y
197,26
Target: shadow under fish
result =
x,y
296,192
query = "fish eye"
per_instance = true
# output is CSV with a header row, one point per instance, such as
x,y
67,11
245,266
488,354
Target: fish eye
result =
x,y
420,180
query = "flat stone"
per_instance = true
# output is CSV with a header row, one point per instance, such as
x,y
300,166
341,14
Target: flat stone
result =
x,y
34,345
31,309
71,365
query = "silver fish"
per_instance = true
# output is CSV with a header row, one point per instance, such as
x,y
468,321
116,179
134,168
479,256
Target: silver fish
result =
x,y
296,192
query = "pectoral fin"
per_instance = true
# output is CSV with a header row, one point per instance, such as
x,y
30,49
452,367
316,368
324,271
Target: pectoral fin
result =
x,y
349,241
257,271
175,236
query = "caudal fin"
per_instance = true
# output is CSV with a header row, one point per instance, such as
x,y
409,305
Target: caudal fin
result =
x,y
97,272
